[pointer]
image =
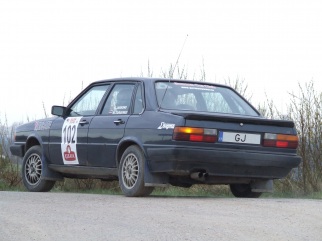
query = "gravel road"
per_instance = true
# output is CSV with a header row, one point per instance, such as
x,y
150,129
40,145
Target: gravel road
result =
x,y
68,216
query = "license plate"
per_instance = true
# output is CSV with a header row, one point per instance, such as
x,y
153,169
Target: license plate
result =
x,y
237,137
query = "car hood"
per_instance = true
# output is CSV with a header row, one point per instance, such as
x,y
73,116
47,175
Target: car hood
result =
x,y
41,124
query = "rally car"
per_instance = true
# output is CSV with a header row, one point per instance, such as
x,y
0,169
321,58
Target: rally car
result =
x,y
149,132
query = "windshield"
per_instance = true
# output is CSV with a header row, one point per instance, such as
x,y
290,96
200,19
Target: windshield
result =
x,y
201,97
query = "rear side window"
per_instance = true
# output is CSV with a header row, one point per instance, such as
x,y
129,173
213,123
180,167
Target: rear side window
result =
x,y
201,97
119,100
215,102
138,102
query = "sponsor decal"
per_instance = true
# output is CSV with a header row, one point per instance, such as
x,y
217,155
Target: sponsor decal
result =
x,y
166,126
195,86
69,155
120,110
163,86
42,125
121,107
69,140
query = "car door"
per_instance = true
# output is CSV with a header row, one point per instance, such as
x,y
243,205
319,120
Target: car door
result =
x,y
68,134
107,128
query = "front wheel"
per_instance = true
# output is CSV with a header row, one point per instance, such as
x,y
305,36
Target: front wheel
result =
x,y
32,170
243,191
131,173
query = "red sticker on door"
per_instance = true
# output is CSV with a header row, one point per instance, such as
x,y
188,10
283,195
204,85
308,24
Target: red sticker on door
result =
x,y
69,154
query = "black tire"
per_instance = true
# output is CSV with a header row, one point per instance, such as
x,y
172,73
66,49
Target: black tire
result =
x,y
243,191
131,173
32,170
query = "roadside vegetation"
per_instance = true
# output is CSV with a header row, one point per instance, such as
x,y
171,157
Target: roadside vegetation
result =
x,y
304,108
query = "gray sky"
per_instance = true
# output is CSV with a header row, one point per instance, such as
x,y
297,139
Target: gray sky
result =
x,y
50,49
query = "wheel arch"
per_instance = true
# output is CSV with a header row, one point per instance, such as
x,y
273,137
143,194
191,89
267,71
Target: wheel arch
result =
x,y
150,179
33,140
124,144
48,174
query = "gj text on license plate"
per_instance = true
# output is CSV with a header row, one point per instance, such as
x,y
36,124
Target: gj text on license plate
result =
x,y
235,137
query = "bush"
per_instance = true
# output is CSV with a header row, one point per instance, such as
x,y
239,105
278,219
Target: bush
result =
x,y
9,165
306,111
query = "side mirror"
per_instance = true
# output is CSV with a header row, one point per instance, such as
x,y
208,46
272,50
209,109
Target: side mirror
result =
x,y
58,110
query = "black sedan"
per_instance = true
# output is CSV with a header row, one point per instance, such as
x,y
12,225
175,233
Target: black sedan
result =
x,y
155,132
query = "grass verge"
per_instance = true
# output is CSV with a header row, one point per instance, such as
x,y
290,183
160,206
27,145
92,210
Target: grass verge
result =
x,y
92,186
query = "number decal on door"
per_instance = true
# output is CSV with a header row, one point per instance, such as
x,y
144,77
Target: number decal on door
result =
x,y
69,134
69,140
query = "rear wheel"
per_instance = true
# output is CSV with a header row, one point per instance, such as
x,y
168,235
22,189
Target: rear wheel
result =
x,y
32,170
131,173
243,191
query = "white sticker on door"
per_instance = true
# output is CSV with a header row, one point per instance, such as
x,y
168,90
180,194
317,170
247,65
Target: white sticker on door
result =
x,y
69,140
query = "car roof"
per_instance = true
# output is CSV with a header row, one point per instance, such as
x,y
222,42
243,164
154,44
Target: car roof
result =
x,y
149,80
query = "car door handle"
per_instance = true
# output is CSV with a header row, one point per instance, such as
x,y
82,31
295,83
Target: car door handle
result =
x,y
119,122
83,122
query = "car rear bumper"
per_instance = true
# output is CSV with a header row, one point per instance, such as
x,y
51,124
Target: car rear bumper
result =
x,y
224,163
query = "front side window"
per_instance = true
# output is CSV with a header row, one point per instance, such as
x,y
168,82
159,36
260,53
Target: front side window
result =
x,y
88,103
201,97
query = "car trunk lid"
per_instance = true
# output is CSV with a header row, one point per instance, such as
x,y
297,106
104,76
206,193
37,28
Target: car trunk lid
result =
x,y
238,130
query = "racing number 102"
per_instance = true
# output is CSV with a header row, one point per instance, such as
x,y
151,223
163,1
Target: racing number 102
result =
x,y
69,133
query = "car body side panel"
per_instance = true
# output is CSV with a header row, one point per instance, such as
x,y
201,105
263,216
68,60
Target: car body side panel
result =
x,y
34,133
55,152
153,128
103,137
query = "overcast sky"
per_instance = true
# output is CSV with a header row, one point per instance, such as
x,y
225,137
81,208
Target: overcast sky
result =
x,y
49,50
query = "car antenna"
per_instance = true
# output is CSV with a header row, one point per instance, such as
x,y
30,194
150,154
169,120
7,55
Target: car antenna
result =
x,y
172,72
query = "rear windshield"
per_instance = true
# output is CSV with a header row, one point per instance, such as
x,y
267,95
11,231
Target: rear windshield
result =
x,y
201,97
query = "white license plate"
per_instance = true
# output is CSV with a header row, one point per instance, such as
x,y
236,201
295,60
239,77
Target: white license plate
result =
x,y
236,137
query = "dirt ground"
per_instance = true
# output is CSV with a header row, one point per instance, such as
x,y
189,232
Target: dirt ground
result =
x,y
69,216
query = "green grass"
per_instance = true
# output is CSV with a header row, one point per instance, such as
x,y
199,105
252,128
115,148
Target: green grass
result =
x,y
215,191
112,188
5,187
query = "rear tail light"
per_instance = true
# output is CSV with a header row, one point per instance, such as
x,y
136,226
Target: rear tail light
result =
x,y
280,140
194,134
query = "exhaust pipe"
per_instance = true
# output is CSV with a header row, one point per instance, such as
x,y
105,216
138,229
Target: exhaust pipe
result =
x,y
199,176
